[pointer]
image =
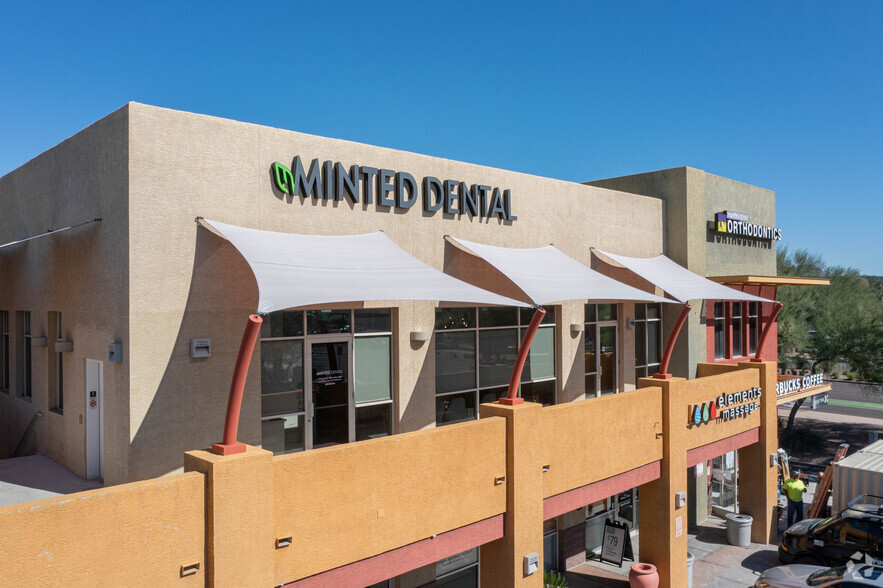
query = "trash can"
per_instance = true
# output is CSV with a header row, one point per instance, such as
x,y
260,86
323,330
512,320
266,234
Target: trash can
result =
x,y
739,529
690,560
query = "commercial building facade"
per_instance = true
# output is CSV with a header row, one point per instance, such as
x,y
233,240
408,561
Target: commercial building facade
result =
x,y
167,299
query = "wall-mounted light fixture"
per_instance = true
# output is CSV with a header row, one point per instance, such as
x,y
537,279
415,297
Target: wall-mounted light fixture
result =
x,y
115,352
38,342
64,346
201,347
420,336
577,328
630,322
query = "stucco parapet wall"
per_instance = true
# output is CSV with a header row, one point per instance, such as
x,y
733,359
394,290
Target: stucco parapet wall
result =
x,y
574,459
138,534
373,496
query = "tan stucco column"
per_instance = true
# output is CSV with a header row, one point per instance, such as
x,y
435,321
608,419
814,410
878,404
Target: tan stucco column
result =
x,y
757,475
238,516
663,540
502,560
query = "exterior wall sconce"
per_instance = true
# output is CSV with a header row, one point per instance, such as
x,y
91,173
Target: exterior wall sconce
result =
x,y
201,347
39,342
630,322
420,336
115,352
576,328
64,346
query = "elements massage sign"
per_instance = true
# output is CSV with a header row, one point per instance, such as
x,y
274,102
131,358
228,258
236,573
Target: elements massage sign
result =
x,y
726,407
332,181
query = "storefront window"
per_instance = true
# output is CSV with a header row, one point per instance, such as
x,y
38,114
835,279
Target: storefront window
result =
x,y
25,362
720,330
648,339
4,350
601,344
458,571
736,320
724,481
346,385
475,351
753,328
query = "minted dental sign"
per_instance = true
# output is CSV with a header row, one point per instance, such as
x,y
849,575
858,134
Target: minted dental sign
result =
x,y
331,180
738,224
726,407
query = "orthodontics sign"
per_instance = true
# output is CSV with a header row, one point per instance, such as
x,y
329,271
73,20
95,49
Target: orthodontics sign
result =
x,y
330,180
737,224
726,407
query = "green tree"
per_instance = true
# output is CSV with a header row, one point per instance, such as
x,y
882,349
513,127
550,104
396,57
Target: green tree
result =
x,y
825,324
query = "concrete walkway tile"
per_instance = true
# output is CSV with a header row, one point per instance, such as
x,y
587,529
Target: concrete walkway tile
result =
x,y
599,576
721,583
704,572
699,553
743,576
729,556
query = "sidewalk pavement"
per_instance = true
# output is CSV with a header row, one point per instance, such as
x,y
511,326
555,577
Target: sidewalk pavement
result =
x,y
33,477
716,565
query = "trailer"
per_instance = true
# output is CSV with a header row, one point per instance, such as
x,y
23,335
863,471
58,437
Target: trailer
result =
x,y
860,473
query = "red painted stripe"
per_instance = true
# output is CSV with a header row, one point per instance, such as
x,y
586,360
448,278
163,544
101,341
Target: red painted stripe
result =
x,y
718,448
578,497
407,558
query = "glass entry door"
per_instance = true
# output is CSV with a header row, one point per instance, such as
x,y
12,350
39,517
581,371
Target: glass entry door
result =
x,y
329,397
725,482
607,369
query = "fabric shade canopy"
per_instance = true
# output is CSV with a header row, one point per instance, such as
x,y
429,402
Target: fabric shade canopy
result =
x,y
676,280
302,270
547,275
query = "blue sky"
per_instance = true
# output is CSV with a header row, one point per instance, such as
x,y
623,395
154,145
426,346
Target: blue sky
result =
x,y
783,95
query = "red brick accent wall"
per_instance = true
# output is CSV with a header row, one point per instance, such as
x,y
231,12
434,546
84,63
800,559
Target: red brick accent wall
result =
x,y
572,546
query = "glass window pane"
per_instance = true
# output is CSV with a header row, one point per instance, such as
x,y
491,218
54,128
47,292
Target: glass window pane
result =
x,y
719,310
590,313
373,421
282,403
496,356
737,331
640,372
608,360
654,342
283,323
527,316
539,392
540,362
653,311
492,395
454,361
283,434
330,374
328,321
591,385
640,311
453,408
372,369
372,320
330,426
467,578
591,365
606,312
641,343
497,316
456,562
454,318
282,366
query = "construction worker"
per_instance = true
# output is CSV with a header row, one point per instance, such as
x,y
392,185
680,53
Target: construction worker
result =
x,y
794,488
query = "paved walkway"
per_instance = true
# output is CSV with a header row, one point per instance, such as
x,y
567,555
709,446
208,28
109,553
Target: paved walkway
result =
x,y
33,477
717,564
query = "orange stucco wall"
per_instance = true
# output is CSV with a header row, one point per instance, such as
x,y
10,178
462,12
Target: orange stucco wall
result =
x,y
589,441
136,534
345,503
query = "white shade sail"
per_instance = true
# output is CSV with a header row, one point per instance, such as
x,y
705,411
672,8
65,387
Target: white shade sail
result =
x,y
303,270
676,280
547,275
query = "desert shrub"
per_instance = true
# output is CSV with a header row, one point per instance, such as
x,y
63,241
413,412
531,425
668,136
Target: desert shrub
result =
x,y
801,439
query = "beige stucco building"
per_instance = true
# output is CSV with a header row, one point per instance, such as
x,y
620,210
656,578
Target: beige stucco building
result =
x,y
150,279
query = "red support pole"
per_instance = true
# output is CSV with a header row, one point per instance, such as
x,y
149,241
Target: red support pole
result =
x,y
670,344
234,402
766,331
511,398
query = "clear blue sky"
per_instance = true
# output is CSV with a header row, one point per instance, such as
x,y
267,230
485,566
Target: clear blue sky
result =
x,y
783,95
